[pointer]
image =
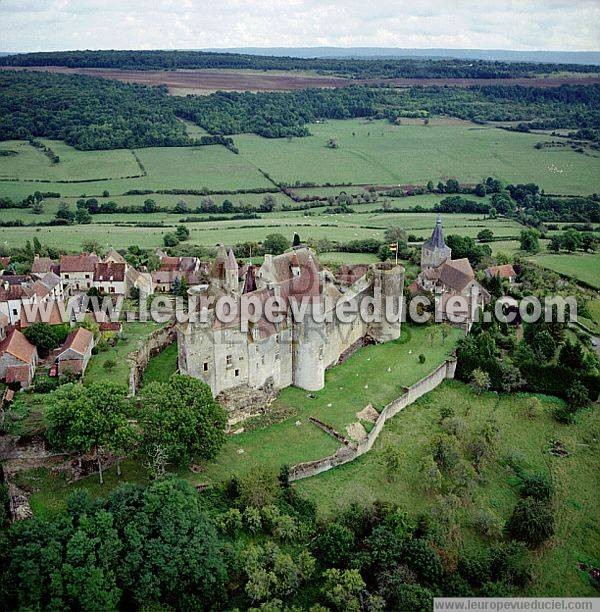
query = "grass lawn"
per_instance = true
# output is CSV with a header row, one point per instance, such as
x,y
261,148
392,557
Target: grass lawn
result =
x,y
580,266
382,153
576,476
160,367
131,336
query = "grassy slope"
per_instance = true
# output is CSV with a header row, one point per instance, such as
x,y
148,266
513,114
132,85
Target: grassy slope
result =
x,y
576,476
580,266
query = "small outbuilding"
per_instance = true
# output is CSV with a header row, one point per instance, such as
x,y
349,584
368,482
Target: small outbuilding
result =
x,y
75,352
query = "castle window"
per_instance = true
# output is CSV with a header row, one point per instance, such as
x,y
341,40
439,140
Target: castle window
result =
x,y
262,360
205,366
237,372
321,353
277,356
229,360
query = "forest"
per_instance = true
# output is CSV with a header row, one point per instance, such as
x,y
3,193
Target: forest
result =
x,y
93,113
355,68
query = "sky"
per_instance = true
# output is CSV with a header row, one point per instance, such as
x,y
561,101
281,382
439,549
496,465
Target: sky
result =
x,y
50,25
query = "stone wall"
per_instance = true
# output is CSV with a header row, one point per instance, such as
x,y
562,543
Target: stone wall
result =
x,y
157,341
350,452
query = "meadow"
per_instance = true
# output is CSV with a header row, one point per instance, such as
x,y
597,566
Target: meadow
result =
x,y
583,267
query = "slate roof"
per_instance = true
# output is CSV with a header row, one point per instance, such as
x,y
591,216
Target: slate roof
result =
x,y
436,241
456,273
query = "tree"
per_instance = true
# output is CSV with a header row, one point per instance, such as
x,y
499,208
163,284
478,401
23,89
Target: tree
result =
x,y
258,487
181,417
571,356
82,216
530,241
275,244
65,213
342,588
332,143
531,522
543,346
480,381
182,233
296,241
38,207
149,206
268,204
571,240
46,337
480,190
90,419
485,235
170,240
333,545
181,207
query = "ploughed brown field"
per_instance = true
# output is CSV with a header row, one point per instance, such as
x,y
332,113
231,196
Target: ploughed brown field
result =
x,y
207,81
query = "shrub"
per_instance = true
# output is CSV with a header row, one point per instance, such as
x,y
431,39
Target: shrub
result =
x,y
531,522
537,486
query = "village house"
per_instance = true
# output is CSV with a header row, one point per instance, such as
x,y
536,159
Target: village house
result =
x,y
18,358
78,270
75,353
42,266
173,269
505,271
109,277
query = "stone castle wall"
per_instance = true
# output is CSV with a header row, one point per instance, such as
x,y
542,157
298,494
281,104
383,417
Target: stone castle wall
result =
x,y
348,453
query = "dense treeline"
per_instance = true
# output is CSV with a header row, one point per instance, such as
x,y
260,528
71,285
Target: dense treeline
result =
x,y
358,68
274,115
86,112
93,113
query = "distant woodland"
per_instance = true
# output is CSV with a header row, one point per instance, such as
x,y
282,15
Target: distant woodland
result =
x,y
94,113
378,68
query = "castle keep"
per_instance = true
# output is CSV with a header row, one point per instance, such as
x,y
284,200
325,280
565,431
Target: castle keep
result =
x,y
299,349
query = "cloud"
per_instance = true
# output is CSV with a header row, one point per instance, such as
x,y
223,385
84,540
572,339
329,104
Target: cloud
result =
x,y
41,25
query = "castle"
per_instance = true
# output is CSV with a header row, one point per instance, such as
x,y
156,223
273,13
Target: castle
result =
x,y
298,349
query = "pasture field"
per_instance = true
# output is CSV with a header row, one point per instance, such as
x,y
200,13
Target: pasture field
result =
x,y
213,167
113,231
382,153
32,164
523,439
580,266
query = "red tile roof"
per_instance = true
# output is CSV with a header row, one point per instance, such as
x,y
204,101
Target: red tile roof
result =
x,y
503,271
82,262
17,345
41,265
79,340
110,271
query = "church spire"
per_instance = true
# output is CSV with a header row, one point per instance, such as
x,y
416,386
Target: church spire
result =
x,y
437,236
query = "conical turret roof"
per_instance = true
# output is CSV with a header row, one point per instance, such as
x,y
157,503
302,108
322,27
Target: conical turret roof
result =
x,y
437,236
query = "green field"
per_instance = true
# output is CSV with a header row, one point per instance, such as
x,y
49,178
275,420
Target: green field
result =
x,y
382,153
583,267
213,167
318,225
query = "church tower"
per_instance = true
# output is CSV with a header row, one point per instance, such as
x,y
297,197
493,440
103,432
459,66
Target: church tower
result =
x,y
434,251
